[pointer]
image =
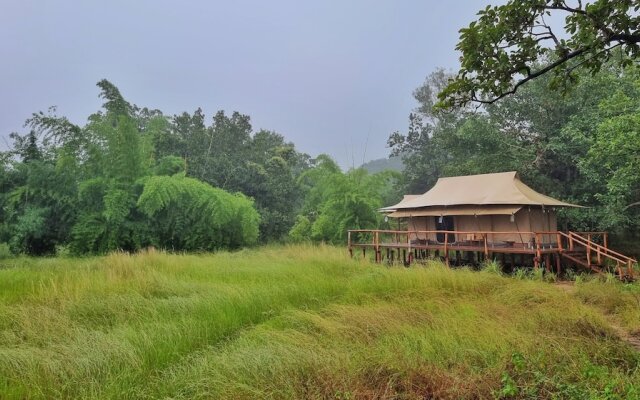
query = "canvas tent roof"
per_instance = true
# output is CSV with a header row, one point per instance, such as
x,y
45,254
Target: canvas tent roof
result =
x,y
503,188
405,198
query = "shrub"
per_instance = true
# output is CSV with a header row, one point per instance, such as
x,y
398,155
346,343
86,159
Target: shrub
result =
x,y
5,251
187,214
492,267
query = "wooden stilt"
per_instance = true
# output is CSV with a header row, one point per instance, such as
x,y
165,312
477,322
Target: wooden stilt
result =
x,y
557,257
547,262
446,250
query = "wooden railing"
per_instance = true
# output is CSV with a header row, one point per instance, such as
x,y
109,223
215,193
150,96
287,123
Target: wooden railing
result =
x,y
583,239
594,236
537,244
402,238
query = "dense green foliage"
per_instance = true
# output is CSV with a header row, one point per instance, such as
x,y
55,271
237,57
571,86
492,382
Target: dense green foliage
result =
x,y
305,322
229,155
108,185
504,47
192,215
132,178
582,147
336,202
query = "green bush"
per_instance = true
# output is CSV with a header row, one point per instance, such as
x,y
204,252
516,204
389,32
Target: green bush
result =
x,y
5,251
188,214
492,266
301,231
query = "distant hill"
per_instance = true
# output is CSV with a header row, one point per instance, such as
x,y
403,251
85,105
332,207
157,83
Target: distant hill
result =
x,y
382,164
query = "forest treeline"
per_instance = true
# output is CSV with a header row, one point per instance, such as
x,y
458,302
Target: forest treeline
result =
x,y
581,146
134,177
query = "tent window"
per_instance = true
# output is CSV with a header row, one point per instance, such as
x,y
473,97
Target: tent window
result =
x,y
445,223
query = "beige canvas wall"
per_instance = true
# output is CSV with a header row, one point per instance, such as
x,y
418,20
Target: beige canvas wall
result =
x,y
423,224
526,220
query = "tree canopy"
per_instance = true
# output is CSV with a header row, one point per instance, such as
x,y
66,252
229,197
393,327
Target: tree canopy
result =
x,y
130,178
134,177
581,148
511,44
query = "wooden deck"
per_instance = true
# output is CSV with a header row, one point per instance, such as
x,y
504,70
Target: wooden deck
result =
x,y
551,250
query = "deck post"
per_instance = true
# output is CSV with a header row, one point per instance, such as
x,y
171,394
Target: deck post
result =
x,y
589,250
605,240
559,239
629,269
538,256
570,242
349,244
557,257
547,262
486,249
409,253
376,240
446,249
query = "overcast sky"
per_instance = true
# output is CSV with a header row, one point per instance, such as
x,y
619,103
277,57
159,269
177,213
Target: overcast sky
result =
x,y
331,76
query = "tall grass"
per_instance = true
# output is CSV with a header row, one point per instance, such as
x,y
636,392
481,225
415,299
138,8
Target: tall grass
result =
x,y
303,322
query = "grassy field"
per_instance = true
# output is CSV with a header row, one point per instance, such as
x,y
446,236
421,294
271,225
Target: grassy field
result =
x,y
306,322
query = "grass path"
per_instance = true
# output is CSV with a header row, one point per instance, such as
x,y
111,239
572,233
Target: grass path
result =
x,y
306,322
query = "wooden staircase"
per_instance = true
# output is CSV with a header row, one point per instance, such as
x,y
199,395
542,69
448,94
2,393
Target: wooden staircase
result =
x,y
579,257
585,253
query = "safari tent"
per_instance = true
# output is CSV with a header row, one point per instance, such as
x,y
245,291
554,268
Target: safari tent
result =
x,y
468,219
496,203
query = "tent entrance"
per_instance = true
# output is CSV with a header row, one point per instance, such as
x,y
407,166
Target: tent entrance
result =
x,y
445,223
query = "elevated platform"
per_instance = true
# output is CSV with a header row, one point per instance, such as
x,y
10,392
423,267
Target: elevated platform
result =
x,y
587,250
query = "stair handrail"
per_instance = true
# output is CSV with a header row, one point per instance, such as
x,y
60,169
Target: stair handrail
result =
x,y
590,244
602,248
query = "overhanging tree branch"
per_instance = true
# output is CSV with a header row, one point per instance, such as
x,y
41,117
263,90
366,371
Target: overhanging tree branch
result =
x,y
500,49
533,75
